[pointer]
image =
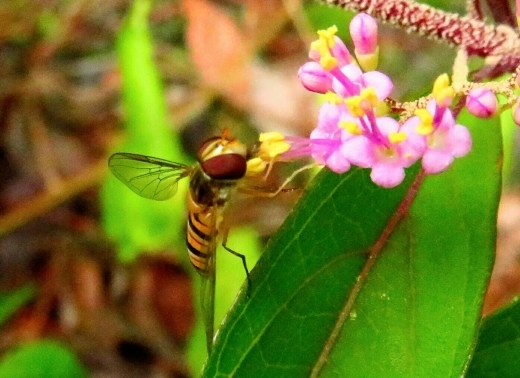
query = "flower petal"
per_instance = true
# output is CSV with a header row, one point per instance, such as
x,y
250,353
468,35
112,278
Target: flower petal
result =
x,y
337,162
436,161
328,118
359,151
387,175
459,140
381,83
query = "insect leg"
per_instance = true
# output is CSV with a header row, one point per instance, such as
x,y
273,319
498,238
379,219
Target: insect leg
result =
x,y
290,178
225,233
272,192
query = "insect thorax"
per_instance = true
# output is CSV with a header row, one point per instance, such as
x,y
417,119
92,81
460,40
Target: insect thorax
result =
x,y
207,191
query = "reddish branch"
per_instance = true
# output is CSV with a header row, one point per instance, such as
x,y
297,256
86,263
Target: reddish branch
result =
x,y
499,42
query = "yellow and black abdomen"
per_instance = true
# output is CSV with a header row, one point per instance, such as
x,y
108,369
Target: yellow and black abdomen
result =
x,y
201,234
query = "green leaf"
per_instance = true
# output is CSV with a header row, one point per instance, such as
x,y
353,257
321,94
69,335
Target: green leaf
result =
x,y
498,347
509,132
11,301
414,313
41,359
139,224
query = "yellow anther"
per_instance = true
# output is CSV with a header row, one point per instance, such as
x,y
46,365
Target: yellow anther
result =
x,y
333,98
271,136
426,126
255,166
351,127
354,105
328,62
273,144
323,45
444,96
442,82
442,92
424,115
279,148
328,35
369,94
396,137
315,45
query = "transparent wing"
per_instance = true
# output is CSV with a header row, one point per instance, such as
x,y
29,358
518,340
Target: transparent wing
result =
x,y
208,283
147,176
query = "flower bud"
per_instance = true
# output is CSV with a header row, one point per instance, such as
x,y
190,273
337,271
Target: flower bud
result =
x,y
315,78
340,52
363,30
482,103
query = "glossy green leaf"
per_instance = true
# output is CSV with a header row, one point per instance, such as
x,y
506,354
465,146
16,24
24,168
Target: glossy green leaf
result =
x,y
414,313
11,301
498,346
139,224
509,132
41,359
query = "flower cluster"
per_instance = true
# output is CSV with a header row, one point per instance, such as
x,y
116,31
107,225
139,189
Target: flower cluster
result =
x,y
352,128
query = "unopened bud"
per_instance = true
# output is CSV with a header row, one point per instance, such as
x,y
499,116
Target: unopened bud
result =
x,y
482,102
315,78
363,30
341,53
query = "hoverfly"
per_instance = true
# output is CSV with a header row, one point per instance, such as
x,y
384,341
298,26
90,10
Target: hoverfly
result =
x,y
222,162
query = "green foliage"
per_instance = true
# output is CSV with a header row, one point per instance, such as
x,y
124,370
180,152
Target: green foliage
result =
x,y
417,312
41,359
509,131
139,224
498,347
322,17
11,301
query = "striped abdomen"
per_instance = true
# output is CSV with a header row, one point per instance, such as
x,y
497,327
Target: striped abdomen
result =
x,y
201,234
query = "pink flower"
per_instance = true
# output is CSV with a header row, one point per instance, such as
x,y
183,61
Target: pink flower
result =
x,y
387,151
350,131
446,141
326,149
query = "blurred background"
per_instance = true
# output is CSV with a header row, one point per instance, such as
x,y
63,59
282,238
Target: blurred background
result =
x,y
95,281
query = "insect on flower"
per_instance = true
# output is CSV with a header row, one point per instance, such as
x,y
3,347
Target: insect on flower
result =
x,y
222,164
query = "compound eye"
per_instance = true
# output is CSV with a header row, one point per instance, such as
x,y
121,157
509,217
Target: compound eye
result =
x,y
225,167
208,147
